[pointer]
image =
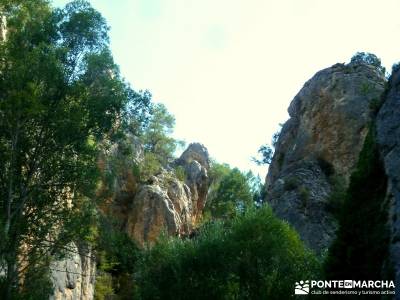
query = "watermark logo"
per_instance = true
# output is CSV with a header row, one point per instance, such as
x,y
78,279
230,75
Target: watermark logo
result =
x,y
302,287
344,287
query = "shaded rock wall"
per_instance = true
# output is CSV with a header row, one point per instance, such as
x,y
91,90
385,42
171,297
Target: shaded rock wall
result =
x,y
388,130
73,278
319,146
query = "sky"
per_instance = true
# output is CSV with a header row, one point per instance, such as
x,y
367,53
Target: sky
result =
x,y
228,69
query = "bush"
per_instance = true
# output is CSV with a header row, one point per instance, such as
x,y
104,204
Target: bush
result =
x,y
304,194
116,259
291,184
337,195
180,173
369,59
149,167
253,256
375,104
103,287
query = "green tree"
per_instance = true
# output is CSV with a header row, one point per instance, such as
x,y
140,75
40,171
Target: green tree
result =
x,y
159,146
369,59
253,256
266,151
156,138
230,192
361,247
60,93
117,256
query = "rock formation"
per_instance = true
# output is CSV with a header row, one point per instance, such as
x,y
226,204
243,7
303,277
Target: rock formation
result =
x,y
167,203
388,130
74,277
195,161
319,145
144,210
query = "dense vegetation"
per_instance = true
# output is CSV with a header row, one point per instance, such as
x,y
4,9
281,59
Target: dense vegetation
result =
x,y
231,192
361,246
64,105
61,94
252,256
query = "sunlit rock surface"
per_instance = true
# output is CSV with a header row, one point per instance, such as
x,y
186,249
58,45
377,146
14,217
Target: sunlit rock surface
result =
x,y
319,145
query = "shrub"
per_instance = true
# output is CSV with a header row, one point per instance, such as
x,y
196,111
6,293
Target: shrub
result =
x,y
180,173
368,59
337,195
375,104
149,167
254,256
291,184
366,88
103,287
116,258
304,194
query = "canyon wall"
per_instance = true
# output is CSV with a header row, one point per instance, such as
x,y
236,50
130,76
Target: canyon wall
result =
x,y
318,148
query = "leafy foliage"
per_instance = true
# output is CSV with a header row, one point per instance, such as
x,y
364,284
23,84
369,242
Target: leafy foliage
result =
x,y
254,256
156,138
266,151
103,287
369,59
230,192
61,93
362,240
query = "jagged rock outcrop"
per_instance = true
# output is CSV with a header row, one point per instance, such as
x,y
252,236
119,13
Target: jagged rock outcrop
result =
x,y
73,277
195,161
388,131
319,145
118,164
164,203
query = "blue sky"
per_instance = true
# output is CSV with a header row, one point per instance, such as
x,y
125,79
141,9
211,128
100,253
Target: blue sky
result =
x,y
228,69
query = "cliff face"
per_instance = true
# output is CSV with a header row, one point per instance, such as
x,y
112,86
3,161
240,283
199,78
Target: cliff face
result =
x,y
163,204
388,129
318,148
167,203
74,277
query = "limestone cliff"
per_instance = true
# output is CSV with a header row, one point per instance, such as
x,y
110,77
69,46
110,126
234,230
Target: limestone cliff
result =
x,y
167,203
73,278
144,210
388,129
164,202
319,145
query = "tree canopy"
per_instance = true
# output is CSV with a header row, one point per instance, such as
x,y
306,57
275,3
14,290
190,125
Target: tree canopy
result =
x,y
369,59
60,93
253,256
231,191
